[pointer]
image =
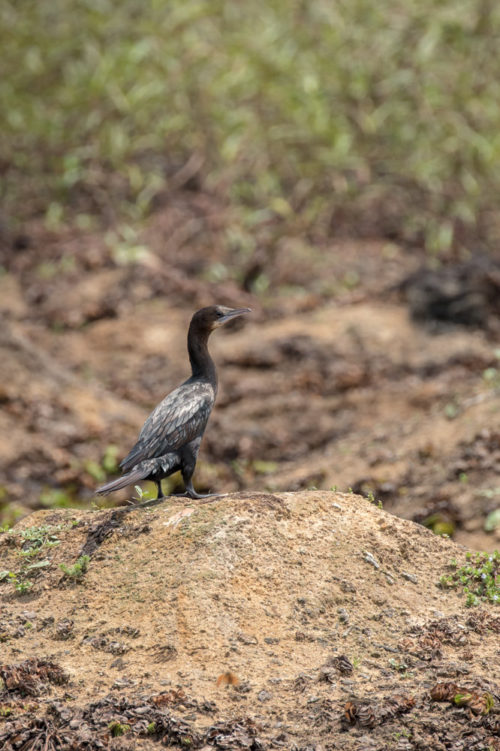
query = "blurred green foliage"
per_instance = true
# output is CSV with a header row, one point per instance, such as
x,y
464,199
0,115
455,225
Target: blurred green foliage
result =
x,y
305,109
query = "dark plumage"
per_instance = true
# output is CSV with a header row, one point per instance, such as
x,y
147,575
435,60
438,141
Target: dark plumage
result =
x,y
171,436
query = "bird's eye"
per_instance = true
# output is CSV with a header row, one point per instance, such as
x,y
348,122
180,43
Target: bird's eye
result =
x,y
219,314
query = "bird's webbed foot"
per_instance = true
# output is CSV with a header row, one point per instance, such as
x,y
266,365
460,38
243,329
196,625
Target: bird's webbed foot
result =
x,y
190,492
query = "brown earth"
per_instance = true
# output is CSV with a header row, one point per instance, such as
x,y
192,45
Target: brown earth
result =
x,y
306,620
329,383
251,621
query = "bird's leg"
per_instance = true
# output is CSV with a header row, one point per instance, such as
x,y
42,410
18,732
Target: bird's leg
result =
x,y
160,495
187,471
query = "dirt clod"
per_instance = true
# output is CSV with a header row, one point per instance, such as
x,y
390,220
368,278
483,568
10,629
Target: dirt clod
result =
x,y
31,677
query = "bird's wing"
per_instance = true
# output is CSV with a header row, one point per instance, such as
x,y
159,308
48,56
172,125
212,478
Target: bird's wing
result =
x,y
179,418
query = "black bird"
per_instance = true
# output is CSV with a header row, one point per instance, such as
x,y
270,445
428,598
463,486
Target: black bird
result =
x,y
171,436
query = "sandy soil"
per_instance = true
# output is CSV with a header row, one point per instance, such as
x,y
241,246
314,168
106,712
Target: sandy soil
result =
x,y
306,620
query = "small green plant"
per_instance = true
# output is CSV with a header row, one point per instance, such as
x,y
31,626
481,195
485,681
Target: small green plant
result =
x,y
399,667
140,493
150,494
370,497
117,728
479,578
30,553
78,569
22,585
471,600
43,535
151,728
35,540
462,699
37,565
18,581
401,734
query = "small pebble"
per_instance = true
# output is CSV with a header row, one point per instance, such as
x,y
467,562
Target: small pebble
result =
x,y
343,615
28,615
409,577
369,558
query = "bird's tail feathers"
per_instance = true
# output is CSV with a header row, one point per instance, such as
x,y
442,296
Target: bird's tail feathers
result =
x,y
121,482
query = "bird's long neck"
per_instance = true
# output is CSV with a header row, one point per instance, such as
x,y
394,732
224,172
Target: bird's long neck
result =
x,y
202,365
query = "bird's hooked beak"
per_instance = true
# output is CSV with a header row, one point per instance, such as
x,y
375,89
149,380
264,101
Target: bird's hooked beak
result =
x,y
233,314
228,314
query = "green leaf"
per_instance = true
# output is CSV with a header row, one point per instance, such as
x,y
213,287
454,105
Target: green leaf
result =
x,y
39,564
492,521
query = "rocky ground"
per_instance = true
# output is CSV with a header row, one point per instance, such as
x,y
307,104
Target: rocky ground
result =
x,y
305,620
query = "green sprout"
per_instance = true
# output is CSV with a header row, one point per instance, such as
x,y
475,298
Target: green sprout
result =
x,y
479,578
78,569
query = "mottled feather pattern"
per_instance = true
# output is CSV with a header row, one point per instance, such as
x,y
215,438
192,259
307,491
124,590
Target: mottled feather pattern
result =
x,y
164,464
179,418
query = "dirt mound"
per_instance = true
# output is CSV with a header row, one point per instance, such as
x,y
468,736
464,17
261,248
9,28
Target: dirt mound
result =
x,y
329,384
290,620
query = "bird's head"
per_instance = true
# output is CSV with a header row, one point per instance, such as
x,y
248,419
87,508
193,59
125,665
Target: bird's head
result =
x,y
216,315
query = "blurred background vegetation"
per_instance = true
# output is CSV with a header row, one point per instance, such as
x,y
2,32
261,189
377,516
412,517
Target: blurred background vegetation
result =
x,y
382,118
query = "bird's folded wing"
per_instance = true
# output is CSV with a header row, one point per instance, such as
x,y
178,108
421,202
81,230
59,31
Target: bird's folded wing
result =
x,y
177,420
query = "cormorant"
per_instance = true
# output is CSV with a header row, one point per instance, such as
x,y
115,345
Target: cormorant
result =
x,y
171,436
